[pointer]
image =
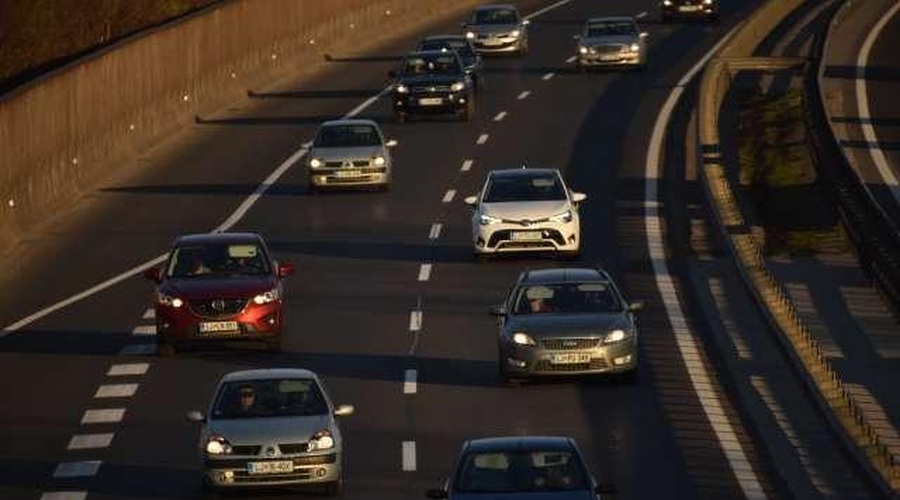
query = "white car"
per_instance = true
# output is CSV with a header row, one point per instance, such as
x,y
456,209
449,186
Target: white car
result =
x,y
526,209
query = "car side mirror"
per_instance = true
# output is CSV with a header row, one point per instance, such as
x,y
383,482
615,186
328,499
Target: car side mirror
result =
x,y
285,269
636,306
499,310
436,493
344,410
391,143
471,200
153,274
606,488
196,416
644,35
578,197
392,73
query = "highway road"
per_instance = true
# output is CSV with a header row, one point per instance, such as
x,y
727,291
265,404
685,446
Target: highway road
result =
x,y
386,293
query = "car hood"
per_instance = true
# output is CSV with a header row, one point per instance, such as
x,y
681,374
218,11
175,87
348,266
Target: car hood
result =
x,y
261,431
609,40
544,495
418,80
517,210
219,287
484,29
336,154
561,325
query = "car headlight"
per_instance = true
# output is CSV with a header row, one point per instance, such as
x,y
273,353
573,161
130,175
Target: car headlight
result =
x,y
708,2
470,35
522,339
615,336
667,3
169,300
635,47
457,86
315,163
563,217
401,89
378,160
582,49
321,440
487,220
514,33
267,297
217,445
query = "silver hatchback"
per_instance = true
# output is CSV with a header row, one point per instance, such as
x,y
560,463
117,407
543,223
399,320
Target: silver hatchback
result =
x,y
349,153
611,41
271,427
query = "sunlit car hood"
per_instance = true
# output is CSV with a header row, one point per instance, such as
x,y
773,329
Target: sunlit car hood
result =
x,y
555,495
254,431
525,209
549,324
340,153
431,79
484,29
218,287
611,39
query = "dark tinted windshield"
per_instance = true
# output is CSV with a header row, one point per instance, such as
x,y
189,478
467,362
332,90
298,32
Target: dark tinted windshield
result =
x,y
495,16
269,398
544,187
343,136
567,298
611,28
218,259
520,471
445,63
462,48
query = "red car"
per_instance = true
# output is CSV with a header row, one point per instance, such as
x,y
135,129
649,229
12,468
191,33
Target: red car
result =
x,y
218,286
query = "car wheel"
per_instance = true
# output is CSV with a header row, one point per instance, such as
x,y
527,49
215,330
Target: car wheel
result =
x,y
630,377
274,345
399,117
469,112
335,488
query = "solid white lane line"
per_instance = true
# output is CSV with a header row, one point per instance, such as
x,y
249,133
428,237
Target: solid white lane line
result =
x,y
409,456
862,100
547,76
116,391
149,314
128,369
524,94
64,495
448,196
424,272
106,416
415,321
138,350
547,9
90,441
467,165
144,330
500,116
483,138
687,344
435,232
409,382
571,59
77,469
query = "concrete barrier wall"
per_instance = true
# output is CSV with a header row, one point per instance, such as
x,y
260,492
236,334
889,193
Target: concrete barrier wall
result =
x,y
62,133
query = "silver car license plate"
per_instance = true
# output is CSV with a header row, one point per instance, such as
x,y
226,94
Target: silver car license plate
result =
x,y
343,174
525,235
430,101
218,326
277,467
688,8
570,358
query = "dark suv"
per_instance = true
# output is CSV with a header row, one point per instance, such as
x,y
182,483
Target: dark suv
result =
x,y
432,82
704,9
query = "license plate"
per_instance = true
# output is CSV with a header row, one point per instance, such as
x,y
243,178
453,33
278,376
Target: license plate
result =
x,y
688,8
570,358
277,467
526,235
609,57
493,41
431,101
218,326
348,173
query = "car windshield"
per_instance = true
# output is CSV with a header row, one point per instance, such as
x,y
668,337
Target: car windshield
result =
x,y
462,48
347,136
495,16
611,28
520,471
217,259
542,187
567,298
444,63
286,397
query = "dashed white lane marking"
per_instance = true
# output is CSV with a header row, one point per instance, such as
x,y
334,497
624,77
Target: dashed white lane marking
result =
x,y
500,116
483,138
448,196
90,441
415,321
144,330
642,15
571,59
138,350
77,469
64,495
409,382
149,314
687,344
467,165
547,76
435,232
116,391
424,272
128,369
409,456
524,94
106,416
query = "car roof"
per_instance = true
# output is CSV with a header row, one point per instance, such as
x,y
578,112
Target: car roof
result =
x,y
521,172
517,443
202,238
432,52
496,6
609,19
437,38
268,373
348,121
563,275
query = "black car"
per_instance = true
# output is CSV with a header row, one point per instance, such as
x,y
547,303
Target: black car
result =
x,y
704,9
432,82
521,467
464,49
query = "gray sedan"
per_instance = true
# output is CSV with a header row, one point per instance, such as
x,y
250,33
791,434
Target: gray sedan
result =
x,y
271,427
568,321
497,28
611,41
349,153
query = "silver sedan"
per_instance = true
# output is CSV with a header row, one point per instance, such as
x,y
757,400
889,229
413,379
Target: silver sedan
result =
x,y
271,427
497,28
349,153
611,41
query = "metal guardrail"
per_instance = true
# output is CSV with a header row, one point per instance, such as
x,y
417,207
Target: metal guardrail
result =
x,y
838,404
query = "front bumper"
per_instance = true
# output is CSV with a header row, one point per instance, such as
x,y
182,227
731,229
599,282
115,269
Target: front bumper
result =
x,y
507,237
610,59
234,472
454,102
519,360
253,322
487,44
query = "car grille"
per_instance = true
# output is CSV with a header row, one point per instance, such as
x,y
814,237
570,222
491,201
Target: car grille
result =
x,y
293,448
547,366
218,308
245,449
430,89
607,49
348,163
241,463
568,344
